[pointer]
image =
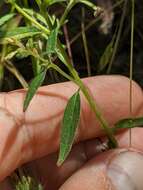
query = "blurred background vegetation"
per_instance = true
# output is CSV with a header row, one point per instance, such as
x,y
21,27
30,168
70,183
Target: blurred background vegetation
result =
x,y
95,44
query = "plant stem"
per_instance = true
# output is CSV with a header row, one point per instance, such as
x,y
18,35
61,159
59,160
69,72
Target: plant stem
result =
x,y
66,34
85,45
71,4
37,24
91,102
94,21
89,98
61,72
16,73
66,12
118,37
95,108
131,62
74,73
89,4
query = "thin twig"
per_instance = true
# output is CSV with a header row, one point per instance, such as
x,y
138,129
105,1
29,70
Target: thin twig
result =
x,y
131,65
118,37
85,43
16,73
68,43
94,21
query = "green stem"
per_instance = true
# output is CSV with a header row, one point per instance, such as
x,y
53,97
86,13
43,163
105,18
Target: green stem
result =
x,y
91,102
89,4
77,36
77,80
131,53
43,11
71,4
67,10
37,24
118,37
61,72
95,108
89,98
131,64
39,2
85,45
16,73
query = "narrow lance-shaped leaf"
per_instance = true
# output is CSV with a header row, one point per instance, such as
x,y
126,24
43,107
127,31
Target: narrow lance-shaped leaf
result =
x,y
36,15
19,33
106,56
69,126
36,82
6,18
129,123
52,41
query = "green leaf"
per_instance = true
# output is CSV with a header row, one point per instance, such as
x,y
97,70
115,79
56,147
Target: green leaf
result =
x,y
60,56
106,57
36,82
52,41
36,15
129,123
18,33
19,53
6,18
104,60
69,126
22,53
11,55
39,2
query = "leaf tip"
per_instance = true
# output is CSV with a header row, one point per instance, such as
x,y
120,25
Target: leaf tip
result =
x,y
24,108
25,104
60,162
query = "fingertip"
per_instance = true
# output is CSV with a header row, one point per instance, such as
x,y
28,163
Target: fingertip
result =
x,y
119,169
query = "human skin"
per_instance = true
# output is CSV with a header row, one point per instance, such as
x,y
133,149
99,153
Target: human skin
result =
x,y
32,138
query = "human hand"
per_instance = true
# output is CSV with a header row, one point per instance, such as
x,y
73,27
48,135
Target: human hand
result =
x,y
34,135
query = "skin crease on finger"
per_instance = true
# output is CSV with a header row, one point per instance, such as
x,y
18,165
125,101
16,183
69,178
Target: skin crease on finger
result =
x,y
80,155
119,169
36,133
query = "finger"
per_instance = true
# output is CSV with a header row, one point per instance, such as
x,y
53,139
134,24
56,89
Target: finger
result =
x,y
116,170
79,156
37,133
119,169
42,169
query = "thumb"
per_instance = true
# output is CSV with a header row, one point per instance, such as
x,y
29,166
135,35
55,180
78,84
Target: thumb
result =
x,y
120,169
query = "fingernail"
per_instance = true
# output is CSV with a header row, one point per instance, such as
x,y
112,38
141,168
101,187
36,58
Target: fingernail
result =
x,y
126,171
